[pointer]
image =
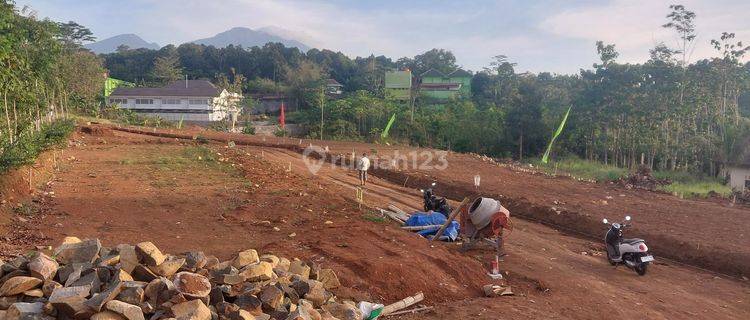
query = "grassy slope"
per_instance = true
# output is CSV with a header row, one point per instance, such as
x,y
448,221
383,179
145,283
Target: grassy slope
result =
x,y
684,184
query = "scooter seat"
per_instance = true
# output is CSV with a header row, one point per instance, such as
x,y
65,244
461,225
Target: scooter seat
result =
x,y
632,241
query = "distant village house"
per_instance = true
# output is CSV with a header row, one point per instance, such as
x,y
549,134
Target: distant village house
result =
x,y
333,87
183,100
739,174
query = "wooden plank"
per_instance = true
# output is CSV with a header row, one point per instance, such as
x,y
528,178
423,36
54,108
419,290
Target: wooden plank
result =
x,y
415,310
401,213
451,217
391,215
402,304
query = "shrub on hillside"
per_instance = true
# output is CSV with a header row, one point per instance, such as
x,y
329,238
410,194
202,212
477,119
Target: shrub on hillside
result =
x,y
29,145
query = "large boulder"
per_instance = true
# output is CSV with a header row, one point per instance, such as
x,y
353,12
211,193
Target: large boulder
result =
x,y
343,311
43,267
192,284
129,311
149,254
78,252
18,285
107,315
300,268
25,310
244,258
260,271
191,310
169,267
128,257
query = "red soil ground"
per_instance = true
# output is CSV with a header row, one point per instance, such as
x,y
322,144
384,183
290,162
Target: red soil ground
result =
x,y
129,188
708,234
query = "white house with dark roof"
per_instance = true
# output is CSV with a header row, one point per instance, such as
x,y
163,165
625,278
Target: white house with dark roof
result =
x,y
187,100
739,173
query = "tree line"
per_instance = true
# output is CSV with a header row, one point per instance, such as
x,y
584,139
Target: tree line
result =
x,y
667,113
44,74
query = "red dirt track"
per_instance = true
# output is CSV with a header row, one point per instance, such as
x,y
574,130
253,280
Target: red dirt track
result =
x,y
129,187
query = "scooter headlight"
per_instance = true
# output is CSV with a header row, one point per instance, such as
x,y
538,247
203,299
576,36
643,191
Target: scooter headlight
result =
x,y
643,247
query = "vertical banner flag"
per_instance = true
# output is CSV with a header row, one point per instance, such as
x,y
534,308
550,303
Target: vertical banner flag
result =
x,y
282,118
545,158
388,127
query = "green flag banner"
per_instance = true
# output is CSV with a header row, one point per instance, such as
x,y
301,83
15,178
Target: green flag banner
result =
x,y
388,127
545,158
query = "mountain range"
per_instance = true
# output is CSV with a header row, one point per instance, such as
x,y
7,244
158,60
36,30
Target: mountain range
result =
x,y
110,44
238,36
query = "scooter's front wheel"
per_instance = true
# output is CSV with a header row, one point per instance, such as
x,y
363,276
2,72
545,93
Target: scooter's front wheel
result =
x,y
641,268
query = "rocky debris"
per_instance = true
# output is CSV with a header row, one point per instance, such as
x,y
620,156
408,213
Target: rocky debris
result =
x,y
643,178
491,290
86,280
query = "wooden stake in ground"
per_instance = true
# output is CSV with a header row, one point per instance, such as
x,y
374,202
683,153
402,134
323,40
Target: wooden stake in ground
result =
x,y
451,217
402,304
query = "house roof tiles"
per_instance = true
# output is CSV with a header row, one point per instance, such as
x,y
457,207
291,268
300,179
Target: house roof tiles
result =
x,y
180,88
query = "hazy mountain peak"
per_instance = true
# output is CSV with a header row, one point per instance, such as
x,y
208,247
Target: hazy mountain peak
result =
x,y
246,37
110,44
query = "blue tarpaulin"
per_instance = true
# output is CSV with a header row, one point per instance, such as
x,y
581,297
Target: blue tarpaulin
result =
x,y
431,219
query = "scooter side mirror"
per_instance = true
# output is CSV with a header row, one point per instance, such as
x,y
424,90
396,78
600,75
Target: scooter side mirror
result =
x,y
627,218
605,221
421,190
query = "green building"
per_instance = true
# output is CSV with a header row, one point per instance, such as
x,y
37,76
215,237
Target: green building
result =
x,y
111,84
398,84
437,85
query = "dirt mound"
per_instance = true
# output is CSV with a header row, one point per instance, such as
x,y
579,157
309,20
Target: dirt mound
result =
x,y
643,178
97,130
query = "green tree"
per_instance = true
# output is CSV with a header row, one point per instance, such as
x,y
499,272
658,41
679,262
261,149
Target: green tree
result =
x,y
166,68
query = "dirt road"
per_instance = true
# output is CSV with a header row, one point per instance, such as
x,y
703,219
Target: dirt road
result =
x,y
708,234
563,276
181,196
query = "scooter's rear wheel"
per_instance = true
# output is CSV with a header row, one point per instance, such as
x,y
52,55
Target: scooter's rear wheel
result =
x,y
641,268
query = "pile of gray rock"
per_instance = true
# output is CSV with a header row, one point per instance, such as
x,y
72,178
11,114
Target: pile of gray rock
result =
x,y
82,279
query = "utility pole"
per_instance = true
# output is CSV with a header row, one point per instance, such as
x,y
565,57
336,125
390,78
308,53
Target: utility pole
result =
x,y
322,97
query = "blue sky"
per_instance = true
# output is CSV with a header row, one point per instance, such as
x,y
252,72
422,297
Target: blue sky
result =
x,y
555,36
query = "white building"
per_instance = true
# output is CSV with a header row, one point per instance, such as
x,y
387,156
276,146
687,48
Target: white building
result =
x,y
187,100
739,174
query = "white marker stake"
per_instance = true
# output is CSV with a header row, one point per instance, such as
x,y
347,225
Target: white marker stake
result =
x,y
477,179
290,167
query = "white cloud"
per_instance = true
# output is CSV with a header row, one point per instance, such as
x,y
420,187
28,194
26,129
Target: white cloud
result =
x,y
635,26
538,37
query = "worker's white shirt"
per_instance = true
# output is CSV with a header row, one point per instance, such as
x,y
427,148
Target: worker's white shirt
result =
x,y
363,164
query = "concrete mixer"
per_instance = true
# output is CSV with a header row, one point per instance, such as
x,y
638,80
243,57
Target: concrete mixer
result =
x,y
486,219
